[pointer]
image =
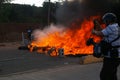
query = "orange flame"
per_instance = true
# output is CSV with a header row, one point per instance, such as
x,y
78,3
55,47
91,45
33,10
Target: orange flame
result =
x,y
73,41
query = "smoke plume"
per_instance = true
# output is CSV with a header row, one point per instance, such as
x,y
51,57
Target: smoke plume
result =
x,y
69,11
39,34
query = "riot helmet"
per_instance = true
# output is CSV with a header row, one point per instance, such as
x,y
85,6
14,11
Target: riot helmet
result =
x,y
109,18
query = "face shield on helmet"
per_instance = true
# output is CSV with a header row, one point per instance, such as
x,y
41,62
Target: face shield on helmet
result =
x,y
109,18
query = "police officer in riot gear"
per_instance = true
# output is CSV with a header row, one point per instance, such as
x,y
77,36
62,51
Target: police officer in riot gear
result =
x,y
111,32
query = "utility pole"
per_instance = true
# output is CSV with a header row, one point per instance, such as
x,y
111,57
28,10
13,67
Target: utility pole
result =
x,y
49,12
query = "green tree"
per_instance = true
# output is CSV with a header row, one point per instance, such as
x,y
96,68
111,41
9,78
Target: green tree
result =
x,y
2,1
20,13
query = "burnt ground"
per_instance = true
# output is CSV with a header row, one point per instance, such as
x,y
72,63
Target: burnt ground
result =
x,y
13,60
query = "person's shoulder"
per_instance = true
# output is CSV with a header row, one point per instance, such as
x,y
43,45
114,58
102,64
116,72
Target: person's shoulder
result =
x,y
113,27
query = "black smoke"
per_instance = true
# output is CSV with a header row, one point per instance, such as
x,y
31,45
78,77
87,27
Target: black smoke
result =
x,y
69,11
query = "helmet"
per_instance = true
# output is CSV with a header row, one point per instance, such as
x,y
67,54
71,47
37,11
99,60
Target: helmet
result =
x,y
109,18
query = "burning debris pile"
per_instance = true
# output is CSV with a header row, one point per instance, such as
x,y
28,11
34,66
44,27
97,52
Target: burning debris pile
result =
x,y
76,18
54,40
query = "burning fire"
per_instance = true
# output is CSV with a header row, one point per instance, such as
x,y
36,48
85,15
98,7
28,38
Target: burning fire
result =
x,y
72,40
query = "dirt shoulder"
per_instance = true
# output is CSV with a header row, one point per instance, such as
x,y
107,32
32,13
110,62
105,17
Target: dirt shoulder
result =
x,y
10,44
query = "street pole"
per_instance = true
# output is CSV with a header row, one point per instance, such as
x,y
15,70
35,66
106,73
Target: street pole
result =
x,y
49,13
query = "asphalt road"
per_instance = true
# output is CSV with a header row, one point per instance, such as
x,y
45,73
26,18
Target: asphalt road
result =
x,y
23,65
13,61
69,72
